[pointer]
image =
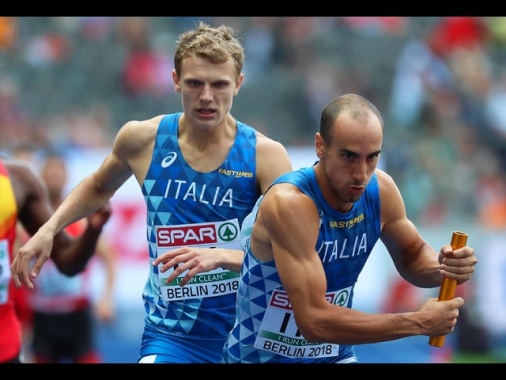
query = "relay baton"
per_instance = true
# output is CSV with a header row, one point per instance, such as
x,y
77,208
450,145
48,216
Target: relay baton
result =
x,y
447,291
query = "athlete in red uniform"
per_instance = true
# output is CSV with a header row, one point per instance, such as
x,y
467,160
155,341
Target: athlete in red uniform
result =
x,y
63,309
24,198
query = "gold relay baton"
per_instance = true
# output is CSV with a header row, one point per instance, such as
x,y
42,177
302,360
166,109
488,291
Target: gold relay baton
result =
x,y
447,291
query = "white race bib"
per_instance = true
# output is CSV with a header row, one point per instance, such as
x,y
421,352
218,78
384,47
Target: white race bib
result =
x,y
279,334
214,283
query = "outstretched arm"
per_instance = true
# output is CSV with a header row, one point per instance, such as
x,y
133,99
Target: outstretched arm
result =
x,y
88,196
34,209
38,219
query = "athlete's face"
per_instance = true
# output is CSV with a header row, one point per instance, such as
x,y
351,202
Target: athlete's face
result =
x,y
348,162
207,90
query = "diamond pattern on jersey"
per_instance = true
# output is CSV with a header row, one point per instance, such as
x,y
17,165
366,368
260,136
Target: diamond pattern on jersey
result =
x,y
347,251
175,194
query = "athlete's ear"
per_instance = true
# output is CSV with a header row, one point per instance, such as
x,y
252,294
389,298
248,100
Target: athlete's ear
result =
x,y
176,80
319,145
238,84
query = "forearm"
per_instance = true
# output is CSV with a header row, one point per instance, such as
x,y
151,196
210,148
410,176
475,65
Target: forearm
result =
x,y
341,325
374,328
71,258
423,270
83,200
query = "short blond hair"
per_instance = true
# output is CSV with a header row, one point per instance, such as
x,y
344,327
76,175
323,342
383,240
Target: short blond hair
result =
x,y
216,45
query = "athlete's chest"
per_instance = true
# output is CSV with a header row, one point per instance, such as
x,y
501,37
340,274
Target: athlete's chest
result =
x,y
207,158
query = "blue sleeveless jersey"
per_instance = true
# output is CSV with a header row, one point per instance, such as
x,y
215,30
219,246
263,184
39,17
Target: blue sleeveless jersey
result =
x,y
265,329
189,208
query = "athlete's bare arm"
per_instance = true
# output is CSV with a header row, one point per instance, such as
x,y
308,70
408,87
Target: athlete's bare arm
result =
x,y
130,154
415,260
34,209
272,161
32,197
290,220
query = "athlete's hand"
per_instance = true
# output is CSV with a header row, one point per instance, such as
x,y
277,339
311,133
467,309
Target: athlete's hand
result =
x,y
30,258
457,264
195,260
440,317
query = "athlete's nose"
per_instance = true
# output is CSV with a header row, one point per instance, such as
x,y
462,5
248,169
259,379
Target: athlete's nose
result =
x,y
360,171
206,94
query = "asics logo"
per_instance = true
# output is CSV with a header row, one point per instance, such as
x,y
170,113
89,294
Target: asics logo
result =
x,y
167,161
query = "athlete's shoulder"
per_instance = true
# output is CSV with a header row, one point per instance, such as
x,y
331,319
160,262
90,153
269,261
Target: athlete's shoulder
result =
x,y
20,171
266,144
296,177
285,202
385,180
25,181
13,163
139,124
138,131
390,195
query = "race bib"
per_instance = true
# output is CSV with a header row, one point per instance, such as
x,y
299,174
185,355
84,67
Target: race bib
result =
x,y
5,271
279,334
214,283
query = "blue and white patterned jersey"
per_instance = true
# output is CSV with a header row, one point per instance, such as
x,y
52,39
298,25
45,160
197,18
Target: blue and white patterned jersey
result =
x,y
190,208
265,329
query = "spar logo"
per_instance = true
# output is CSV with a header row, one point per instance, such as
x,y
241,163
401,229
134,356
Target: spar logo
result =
x,y
209,233
280,299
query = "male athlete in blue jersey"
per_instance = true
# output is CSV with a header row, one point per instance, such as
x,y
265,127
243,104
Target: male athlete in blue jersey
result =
x,y
200,171
308,239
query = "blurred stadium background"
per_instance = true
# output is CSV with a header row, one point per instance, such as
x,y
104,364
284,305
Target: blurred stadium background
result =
x,y
440,82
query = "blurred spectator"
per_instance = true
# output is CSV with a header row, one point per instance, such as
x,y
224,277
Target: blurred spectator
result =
x,y
491,193
418,73
294,47
259,44
89,129
147,70
49,48
450,34
8,32
495,116
322,82
14,120
95,28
